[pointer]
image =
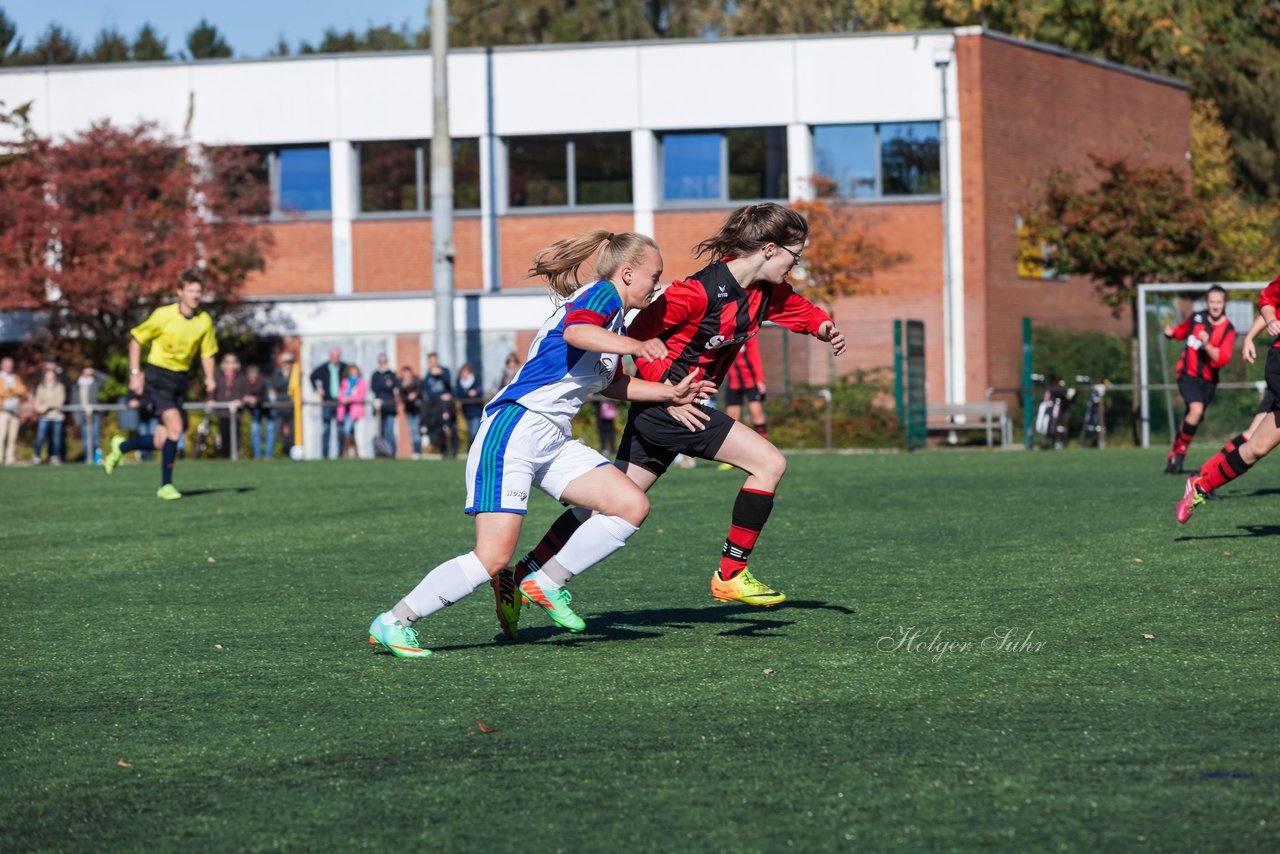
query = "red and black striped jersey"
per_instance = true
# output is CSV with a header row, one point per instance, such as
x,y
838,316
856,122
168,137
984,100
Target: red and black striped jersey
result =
x,y
1271,296
746,371
1196,362
704,320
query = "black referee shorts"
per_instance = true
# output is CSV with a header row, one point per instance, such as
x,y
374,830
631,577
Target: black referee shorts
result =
x,y
1194,390
739,396
652,438
164,390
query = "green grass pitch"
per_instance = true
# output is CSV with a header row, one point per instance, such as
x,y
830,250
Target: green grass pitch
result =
x,y
195,674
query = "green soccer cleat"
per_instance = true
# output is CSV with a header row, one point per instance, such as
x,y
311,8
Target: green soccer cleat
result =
x,y
744,588
115,456
168,492
507,594
397,639
555,601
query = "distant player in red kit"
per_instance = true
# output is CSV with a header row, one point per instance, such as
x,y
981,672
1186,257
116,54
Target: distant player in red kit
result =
x,y
1234,460
746,384
1210,339
704,321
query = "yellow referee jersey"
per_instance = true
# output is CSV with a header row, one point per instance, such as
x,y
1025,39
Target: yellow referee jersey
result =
x,y
176,338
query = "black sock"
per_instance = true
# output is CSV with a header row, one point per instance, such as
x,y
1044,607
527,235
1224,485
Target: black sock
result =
x,y
168,454
138,443
552,541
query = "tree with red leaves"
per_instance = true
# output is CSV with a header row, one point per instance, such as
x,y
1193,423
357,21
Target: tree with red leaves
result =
x,y
95,230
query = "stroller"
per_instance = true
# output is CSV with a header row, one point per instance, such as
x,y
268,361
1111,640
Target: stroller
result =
x,y
1052,416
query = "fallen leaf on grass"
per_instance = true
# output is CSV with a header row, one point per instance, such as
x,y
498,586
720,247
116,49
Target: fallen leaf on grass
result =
x,y
1146,636
1226,554
1137,560
353,536
485,729
217,646
769,671
211,560
123,764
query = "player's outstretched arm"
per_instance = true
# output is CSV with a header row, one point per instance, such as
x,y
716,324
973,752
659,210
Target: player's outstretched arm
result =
x,y
597,339
828,332
688,390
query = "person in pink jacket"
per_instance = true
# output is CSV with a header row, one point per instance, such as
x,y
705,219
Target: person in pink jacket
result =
x,y
351,395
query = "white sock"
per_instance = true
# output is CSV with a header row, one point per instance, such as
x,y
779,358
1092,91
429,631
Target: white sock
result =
x,y
449,582
599,537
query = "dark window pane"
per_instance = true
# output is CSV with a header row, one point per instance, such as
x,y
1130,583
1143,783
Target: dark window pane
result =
x,y
388,176
466,174
757,163
243,175
304,179
846,156
909,159
602,168
538,170
691,166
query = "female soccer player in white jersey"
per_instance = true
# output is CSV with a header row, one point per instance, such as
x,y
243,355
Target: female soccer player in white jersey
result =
x,y
524,439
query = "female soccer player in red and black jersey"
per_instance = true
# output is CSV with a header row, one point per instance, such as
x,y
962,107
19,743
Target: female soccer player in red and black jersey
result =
x,y
1231,462
1210,339
703,321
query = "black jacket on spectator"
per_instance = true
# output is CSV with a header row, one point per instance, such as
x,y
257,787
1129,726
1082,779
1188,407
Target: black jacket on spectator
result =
x,y
471,398
320,378
436,386
384,385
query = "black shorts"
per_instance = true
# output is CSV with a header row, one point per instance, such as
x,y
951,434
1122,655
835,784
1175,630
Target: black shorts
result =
x,y
653,438
1272,373
1195,390
739,396
164,390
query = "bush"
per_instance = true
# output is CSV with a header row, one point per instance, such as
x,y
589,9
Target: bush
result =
x,y
859,417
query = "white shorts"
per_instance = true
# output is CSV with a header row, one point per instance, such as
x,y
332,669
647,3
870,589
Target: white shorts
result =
x,y
515,450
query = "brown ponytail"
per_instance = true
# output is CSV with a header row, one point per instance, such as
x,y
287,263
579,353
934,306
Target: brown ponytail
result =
x,y
559,262
752,226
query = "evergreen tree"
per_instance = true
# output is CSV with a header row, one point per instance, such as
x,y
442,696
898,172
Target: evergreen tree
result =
x,y
205,42
150,46
109,46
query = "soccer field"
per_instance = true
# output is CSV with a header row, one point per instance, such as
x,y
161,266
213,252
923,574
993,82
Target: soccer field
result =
x,y
1015,651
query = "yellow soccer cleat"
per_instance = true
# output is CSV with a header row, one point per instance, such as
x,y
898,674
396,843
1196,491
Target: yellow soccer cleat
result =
x,y
744,588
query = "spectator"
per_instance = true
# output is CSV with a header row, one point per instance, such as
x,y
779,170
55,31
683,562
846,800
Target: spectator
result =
x,y
12,391
438,420
411,398
262,423
606,425
88,394
279,405
230,387
351,397
68,386
470,395
509,371
327,380
51,397
386,388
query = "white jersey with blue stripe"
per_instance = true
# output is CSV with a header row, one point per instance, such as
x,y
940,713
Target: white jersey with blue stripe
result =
x,y
557,379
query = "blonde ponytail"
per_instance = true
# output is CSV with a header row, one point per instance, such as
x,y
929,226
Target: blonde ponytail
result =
x,y
559,262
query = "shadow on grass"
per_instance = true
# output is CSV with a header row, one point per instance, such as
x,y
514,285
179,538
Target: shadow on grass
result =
x,y
738,620
1249,531
1258,493
191,493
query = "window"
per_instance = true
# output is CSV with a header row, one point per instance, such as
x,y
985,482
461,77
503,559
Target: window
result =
x,y
869,161
569,171
732,165
395,177
302,179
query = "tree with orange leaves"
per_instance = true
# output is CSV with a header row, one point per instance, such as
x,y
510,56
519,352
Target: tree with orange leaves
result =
x,y
842,253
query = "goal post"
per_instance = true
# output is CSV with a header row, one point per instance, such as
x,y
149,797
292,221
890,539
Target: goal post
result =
x,y
1157,307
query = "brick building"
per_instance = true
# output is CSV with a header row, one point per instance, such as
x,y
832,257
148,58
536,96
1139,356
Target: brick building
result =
x,y
936,136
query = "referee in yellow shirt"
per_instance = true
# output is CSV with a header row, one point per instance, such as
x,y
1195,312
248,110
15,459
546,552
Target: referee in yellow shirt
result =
x,y
176,332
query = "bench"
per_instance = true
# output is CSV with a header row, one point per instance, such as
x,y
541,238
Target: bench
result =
x,y
951,418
